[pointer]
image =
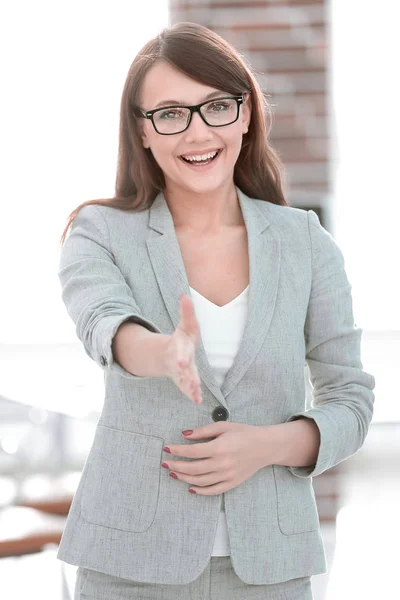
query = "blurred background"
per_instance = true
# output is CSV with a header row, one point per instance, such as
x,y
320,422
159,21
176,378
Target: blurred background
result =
x,y
330,71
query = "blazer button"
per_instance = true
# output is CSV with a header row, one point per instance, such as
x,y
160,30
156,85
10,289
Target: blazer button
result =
x,y
220,414
103,360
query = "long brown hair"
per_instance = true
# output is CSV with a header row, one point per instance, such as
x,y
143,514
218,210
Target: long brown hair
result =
x,y
203,55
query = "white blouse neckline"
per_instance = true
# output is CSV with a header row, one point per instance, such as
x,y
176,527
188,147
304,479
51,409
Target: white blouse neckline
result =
x,y
224,305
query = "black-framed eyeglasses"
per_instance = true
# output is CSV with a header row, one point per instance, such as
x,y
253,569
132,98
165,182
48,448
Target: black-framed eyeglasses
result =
x,y
170,120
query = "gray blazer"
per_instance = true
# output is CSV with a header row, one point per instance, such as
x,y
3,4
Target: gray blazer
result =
x,y
130,519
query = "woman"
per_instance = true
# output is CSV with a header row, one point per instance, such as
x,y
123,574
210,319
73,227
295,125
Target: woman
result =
x,y
198,282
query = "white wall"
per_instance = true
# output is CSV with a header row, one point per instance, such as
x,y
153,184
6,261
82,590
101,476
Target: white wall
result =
x,y
366,102
62,80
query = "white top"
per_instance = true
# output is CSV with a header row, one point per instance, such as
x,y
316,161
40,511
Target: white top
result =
x,y
221,331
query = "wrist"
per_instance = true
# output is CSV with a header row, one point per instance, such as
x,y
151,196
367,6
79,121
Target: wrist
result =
x,y
160,356
139,350
299,443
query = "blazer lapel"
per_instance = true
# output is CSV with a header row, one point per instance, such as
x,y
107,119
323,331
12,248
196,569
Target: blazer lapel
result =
x,y
264,246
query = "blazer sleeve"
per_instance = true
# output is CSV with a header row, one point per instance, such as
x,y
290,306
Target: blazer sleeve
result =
x,y
342,405
94,290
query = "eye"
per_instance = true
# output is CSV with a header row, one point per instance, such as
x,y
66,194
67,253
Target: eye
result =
x,y
223,105
175,112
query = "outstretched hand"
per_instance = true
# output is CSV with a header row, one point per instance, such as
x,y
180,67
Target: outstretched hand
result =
x,y
180,352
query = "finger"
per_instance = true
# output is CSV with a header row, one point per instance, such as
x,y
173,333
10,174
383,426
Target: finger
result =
x,y
195,468
203,480
184,352
196,384
212,490
187,372
186,362
187,380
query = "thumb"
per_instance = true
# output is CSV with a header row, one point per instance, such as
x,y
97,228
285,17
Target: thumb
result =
x,y
210,430
188,321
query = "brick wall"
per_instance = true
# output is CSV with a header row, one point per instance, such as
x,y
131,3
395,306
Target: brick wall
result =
x,y
285,41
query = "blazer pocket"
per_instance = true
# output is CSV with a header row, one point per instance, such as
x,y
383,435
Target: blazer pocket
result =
x,y
122,479
297,508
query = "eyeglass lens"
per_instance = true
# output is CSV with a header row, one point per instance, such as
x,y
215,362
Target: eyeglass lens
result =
x,y
174,120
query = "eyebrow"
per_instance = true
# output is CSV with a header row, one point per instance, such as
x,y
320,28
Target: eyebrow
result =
x,y
181,103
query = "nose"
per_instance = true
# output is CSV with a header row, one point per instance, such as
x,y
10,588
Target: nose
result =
x,y
198,126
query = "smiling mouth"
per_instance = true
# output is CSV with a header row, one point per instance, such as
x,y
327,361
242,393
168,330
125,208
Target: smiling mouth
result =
x,y
195,162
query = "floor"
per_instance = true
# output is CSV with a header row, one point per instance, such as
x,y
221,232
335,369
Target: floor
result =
x,y
362,550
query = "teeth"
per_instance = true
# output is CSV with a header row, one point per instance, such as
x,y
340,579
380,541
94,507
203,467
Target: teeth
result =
x,y
202,157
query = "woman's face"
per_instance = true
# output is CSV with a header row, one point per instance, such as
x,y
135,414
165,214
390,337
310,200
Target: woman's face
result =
x,y
162,83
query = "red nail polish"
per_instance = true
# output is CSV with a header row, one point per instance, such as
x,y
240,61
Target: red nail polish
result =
x,y
166,449
192,492
187,432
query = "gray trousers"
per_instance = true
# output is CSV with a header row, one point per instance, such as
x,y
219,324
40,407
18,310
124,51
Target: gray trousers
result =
x,y
217,582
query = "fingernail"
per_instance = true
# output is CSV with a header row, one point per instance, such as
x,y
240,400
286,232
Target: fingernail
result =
x,y
166,449
187,432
